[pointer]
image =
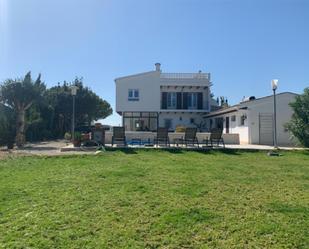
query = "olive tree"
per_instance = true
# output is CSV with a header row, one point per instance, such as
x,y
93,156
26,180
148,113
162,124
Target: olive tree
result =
x,y
20,95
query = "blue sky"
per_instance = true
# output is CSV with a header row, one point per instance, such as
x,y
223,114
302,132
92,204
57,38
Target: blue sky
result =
x,y
243,44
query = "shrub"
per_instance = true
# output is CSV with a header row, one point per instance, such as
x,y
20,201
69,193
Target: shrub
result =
x,y
67,136
77,136
299,124
180,128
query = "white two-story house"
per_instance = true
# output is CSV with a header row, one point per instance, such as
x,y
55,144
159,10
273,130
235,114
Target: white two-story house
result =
x,y
154,99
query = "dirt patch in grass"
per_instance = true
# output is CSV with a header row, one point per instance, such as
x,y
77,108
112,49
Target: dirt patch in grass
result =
x,y
3,154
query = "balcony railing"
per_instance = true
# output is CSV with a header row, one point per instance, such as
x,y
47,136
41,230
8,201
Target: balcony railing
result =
x,y
185,76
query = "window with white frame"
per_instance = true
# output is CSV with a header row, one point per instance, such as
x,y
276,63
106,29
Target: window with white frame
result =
x,y
192,100
171,100
133,95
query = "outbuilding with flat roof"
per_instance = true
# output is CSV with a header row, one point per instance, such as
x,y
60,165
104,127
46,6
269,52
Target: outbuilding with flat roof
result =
x,y
253,120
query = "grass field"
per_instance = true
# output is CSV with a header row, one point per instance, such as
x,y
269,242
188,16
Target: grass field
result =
x,y
156,199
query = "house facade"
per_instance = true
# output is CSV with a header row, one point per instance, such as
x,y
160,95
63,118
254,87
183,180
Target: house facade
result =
x,y
253,120
156,99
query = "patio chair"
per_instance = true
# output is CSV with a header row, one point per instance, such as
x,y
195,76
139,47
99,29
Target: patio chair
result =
x,y
190,137
162,137
216,137
119,136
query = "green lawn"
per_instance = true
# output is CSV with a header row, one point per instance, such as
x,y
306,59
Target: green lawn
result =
x,y
156,199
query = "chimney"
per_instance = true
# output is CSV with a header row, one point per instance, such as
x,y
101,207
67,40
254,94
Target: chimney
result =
x,y
158,67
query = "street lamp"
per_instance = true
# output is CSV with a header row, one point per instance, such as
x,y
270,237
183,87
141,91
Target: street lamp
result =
x,y
73,92
274,86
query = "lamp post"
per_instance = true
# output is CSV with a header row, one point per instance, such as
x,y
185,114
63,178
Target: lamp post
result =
x,y
274,85
73,92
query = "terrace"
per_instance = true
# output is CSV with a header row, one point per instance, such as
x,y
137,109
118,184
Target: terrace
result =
x,y
185,79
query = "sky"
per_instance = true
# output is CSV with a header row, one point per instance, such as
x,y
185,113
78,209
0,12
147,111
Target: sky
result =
x,y
242,43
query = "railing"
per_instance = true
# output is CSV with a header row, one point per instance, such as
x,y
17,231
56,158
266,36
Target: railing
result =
x,y
185,76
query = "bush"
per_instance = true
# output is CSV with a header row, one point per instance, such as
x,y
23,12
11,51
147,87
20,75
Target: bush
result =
x,y
77,136
299,124
180,128
67,136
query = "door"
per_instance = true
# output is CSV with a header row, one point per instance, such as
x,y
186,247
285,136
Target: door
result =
x,y
266,135
227,125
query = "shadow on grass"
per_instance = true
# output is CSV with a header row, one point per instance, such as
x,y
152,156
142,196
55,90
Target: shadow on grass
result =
x,y
125,150
286,208
173,150
181,218
215,150
128,150
235,152
304,152
181,150
211,151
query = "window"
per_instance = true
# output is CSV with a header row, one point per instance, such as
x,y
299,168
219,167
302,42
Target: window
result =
x,y
242,119
133,95
192,100
171,100
140,121
233,118
192,120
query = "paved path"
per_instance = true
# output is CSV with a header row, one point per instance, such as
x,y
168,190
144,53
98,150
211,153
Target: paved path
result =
x,y
49,148
258,147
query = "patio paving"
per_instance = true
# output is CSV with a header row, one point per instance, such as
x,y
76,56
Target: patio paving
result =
x,y
61,147
259,147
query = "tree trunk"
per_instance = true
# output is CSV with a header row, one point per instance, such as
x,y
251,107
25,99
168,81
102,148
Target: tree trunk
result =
x,y
20,128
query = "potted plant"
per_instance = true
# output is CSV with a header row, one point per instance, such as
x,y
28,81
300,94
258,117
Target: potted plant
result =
x,y
85,137
77,139
67,137
180,128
